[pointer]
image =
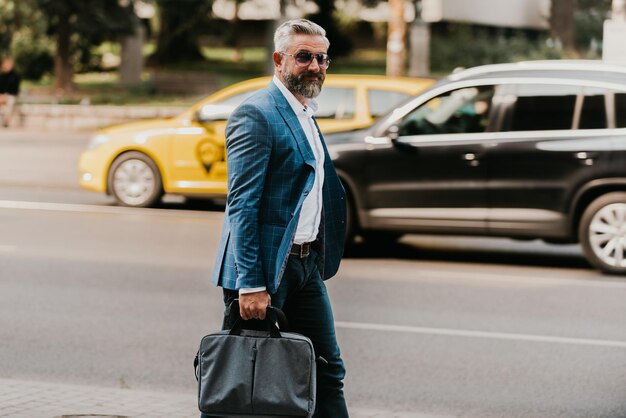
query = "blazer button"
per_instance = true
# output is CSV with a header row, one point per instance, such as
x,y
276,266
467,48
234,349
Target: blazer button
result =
x,y
306,192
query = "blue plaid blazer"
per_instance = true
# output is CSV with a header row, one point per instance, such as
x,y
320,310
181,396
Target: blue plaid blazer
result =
x,y
270,172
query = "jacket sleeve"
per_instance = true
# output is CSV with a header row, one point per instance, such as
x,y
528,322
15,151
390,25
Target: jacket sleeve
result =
x,y
248,150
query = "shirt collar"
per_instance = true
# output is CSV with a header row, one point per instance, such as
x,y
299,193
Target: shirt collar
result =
x,y
311,104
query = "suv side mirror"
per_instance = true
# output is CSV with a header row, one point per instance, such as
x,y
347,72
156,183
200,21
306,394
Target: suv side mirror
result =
x,y
213,113
393,132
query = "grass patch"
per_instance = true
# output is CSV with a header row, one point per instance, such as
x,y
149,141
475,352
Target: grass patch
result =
x,y
104,87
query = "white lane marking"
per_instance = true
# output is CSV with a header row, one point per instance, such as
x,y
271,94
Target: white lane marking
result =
x,y
594,279
117,210
373,272
422,275
479,334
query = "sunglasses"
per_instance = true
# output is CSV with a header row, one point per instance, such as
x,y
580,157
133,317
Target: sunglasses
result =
x,y
305,58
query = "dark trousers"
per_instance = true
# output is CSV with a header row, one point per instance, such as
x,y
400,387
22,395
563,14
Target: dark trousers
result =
x,y
303,298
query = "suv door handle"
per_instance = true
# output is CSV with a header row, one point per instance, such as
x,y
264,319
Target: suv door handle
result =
x,y
471,158
585,157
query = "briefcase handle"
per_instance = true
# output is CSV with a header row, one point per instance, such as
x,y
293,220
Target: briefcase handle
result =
x,y
275,320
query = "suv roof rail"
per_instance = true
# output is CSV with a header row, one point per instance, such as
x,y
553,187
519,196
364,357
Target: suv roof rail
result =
x,y
568,65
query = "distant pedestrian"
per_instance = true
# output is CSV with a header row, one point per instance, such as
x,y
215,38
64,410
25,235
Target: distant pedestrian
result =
x,y
9,90
284,227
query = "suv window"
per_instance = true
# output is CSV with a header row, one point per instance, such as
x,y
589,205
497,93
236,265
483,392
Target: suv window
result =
x,y
336,103
620,110
556,107
543,107
463,110
382,102
593,113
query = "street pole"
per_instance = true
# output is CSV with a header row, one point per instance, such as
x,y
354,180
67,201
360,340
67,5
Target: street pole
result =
x,y
269,64
131,65
419,44
396,39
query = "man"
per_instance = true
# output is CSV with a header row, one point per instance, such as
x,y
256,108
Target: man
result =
x,y
284,224
9,89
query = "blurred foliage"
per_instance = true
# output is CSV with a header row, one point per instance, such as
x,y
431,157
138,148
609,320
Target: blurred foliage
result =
x,y
77,25
563,24
340,42
463,45
15,16
28,29
23,35
181,23
104,87
33,60
466,46
91,20
590,16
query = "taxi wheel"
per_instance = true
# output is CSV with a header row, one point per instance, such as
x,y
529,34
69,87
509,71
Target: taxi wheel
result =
x,y
135,180
602,233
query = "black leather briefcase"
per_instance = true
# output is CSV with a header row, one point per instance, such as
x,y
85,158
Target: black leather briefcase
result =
x,y
256,373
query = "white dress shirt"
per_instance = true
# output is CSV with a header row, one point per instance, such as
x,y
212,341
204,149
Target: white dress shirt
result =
x,y
311,213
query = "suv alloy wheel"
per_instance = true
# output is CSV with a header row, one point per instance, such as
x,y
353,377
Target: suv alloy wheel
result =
x,y
602,232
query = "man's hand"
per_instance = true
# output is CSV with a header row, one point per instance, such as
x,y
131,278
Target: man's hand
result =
x,y
254,305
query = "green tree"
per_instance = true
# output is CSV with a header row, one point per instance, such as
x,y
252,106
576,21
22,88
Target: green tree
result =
x,y
340,43
79,24
16,16
562,23
181,25
23,36
590,16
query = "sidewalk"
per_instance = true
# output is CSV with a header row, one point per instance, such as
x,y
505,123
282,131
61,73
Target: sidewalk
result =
x,y
24,399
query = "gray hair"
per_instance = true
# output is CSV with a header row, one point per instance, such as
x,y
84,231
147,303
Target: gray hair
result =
x,y
282,36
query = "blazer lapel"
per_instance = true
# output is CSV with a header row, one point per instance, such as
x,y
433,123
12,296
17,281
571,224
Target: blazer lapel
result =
x,y
294,125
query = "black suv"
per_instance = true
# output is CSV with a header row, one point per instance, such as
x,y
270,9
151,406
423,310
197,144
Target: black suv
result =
x,y
524,150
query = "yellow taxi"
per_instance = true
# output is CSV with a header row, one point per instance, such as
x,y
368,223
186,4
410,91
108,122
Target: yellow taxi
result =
x,y
138,162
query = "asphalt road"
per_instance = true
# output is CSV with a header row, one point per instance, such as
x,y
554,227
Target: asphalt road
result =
x,y
449,327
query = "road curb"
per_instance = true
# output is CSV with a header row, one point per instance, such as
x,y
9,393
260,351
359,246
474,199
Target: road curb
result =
x,y
78,117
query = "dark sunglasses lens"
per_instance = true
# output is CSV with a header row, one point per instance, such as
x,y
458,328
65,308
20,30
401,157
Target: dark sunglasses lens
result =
x,y
322,59
304,57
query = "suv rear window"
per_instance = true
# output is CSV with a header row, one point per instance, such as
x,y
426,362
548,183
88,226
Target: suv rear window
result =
x,y
543,107
557,107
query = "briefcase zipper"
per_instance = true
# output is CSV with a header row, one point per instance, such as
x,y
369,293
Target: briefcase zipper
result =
x,y
254,351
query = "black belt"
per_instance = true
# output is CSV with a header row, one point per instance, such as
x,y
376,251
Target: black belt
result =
x,y
301,250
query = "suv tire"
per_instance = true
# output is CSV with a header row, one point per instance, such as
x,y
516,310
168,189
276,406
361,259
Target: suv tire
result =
x,y
351,220
602,233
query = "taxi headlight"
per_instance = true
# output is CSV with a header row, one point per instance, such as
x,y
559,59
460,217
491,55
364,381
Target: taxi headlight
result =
x,y
96,141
